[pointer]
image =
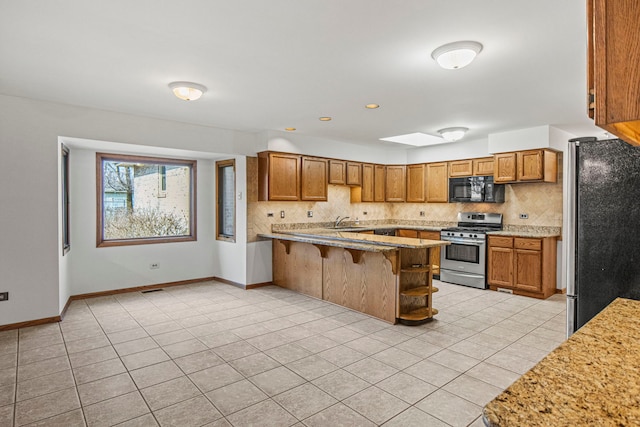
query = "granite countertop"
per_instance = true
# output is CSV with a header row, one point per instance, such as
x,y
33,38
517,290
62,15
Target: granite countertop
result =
x,y
354,240
593,378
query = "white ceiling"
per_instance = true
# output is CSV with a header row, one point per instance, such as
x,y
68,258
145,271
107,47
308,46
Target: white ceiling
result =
x,y
284,63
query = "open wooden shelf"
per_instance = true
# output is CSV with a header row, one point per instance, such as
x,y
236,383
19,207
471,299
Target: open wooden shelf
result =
x,y
419,314
420,291
423,269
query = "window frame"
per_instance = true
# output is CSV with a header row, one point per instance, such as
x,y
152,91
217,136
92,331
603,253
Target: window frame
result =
x,y
219,166
101,242
66,223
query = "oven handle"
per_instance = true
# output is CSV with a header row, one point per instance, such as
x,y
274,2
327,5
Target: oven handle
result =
x,y
464,241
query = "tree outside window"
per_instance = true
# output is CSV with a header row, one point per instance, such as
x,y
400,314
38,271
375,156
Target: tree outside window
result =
x,y
145,200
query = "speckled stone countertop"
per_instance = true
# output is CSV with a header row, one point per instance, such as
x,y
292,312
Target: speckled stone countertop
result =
x,y
592,379
323,227
528,231
352,240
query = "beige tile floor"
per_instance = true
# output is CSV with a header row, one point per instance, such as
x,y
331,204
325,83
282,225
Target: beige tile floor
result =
x,y
215,355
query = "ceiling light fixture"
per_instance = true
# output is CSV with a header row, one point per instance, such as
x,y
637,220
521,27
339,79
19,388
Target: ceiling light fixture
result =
x,y
452,134
325,119
372,106
289,129
452,56
187,91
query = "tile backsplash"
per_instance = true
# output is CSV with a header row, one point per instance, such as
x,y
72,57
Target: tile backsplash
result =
x,y
542,202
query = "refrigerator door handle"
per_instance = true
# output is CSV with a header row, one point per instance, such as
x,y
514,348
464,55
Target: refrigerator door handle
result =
x,y
570,239
571,314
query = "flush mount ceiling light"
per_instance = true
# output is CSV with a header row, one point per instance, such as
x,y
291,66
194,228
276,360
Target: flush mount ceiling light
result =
x,y
452,134
187,91
325,119
457,54
372,106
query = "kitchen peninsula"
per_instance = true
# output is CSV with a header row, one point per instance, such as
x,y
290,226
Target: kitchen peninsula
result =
x,y
386,277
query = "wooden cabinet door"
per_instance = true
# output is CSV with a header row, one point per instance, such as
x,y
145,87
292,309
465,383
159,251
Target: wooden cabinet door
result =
x,y
500,266
354,173
434,258
284,176
337,172
314,179
504,167
530,165
367,183
437,182
395,183
416,176
460,168
528,270
483,167
379,175
613,58
407,233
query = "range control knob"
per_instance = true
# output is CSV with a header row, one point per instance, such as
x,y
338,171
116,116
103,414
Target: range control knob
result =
x,y
461,234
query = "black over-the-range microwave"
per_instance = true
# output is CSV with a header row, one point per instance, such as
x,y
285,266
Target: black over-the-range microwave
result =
x,y
475,189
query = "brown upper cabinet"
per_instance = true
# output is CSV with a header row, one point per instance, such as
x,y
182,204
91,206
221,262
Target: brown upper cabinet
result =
x,y
278,176
354,173
437,182
526,166
416,178
395,187
379,178
372,188
613,75
471,167
313,182
337,172
483,166
460,168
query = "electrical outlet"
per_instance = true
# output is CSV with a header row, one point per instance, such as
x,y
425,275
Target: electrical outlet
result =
x,y
309,214
524,216
4,296
281,214
154,266
421,213
269,214
364,213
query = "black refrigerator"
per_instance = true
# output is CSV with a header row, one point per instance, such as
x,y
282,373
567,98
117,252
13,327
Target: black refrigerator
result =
x,y
603,240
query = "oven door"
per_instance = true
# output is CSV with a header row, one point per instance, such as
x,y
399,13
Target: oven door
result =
x,y
463,255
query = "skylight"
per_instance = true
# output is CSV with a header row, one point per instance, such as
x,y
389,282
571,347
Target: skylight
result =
x,y
416,139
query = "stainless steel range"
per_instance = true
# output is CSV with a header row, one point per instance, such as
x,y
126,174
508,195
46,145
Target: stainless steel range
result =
x,y
464,261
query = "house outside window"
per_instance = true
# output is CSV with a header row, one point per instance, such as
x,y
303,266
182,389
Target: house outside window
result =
x,y
226,200
144,200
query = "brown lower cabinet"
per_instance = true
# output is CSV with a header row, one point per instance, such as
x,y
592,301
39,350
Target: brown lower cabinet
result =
x,y
526,266
429,235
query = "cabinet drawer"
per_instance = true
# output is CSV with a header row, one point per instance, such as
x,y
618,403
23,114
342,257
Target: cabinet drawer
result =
x,y
407,233
531,244
502,242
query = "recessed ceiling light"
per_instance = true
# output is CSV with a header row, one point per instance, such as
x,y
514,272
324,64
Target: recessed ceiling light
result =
x,y
289,129
372,106
452,134
325,119
457,54
416,139
187,91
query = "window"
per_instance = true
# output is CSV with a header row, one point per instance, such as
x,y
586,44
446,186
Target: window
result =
x,y
145,200
66,234
226,200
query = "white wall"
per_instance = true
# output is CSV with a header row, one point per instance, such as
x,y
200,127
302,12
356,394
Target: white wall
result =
x,y
449,151
31,267
98,269
297,143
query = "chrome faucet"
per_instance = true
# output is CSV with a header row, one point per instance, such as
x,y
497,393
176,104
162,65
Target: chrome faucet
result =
x,y
339,220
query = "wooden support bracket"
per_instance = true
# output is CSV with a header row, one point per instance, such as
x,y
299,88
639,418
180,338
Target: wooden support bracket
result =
x,y
324,250
356,255
392,256
286,244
